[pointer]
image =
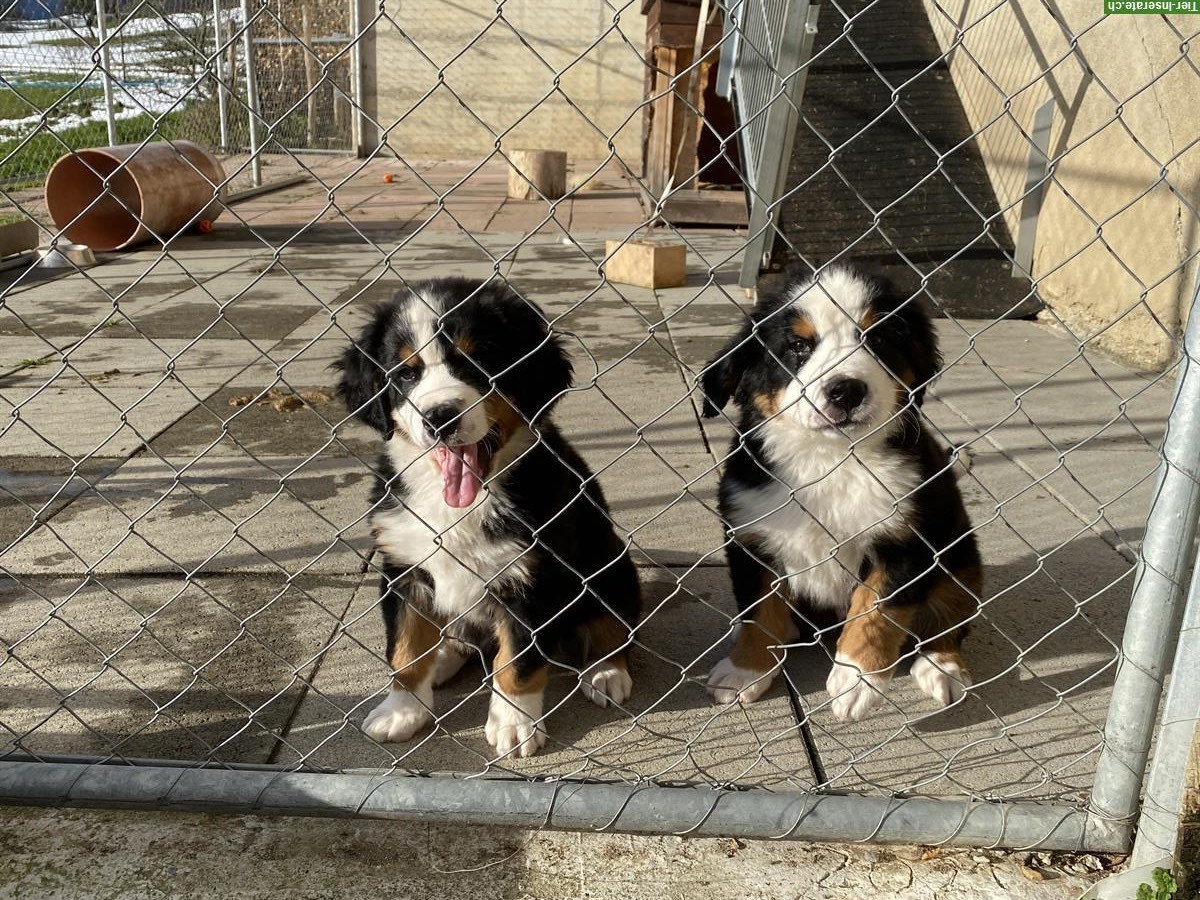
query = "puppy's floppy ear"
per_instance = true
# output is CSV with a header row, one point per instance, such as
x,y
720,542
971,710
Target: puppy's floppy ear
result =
x,y
549,373
363,385
536,370
720,378
914,329
926,357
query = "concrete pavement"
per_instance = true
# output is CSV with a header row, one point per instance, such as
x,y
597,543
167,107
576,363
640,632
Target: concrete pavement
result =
x,y
86,854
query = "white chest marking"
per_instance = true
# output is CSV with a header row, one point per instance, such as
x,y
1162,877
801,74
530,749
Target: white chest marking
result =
x,y
464,560
827,507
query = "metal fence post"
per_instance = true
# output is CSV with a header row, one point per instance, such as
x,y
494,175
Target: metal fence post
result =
x,y
105,65
363,71
252,96
219,62
1159,820
1165,556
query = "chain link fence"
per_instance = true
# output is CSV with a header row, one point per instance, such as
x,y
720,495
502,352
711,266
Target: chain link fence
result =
x,y
191,561
82,74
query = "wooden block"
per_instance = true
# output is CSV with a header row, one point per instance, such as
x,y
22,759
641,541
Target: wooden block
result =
x,y
537,173
650,264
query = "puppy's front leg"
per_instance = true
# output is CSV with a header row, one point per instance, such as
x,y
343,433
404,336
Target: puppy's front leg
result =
x,y
519,675
869,647
412,639
765,626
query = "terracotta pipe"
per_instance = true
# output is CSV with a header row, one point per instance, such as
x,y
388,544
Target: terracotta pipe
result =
x,y
159,189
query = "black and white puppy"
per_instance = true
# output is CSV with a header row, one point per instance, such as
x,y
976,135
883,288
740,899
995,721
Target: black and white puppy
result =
x,y
836,497
492,531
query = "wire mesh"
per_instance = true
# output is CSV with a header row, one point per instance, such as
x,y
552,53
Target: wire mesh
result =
x,y
189,572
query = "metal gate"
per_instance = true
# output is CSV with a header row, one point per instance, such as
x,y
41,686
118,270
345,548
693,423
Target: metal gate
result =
x,y
766,76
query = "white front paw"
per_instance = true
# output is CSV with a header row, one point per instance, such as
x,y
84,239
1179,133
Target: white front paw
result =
x,y
853,692
605,682
399,716
729,683
941,676
512,724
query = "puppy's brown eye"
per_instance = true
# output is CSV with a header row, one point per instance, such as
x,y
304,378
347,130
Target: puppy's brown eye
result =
x,y
406,375
801,347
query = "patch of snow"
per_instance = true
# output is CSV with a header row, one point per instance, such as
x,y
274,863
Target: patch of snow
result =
x,y
141,83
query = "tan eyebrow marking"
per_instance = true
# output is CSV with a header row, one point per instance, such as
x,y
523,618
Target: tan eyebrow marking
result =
x,y
409,357
465,344
803,328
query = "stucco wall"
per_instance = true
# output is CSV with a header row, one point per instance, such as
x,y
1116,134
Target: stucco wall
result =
x,y
510,87
1112,234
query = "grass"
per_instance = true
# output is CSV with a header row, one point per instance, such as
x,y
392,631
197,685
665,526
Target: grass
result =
x,y
65,98
63,42
1164,887
59,94
28,164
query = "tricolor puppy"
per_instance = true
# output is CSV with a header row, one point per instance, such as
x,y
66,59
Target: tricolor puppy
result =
x,y
492,532
836,497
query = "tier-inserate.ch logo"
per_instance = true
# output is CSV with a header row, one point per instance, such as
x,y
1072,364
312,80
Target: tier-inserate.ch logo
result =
x,y
1154,7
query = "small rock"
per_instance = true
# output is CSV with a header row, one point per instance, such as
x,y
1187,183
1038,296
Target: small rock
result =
x,y
931,853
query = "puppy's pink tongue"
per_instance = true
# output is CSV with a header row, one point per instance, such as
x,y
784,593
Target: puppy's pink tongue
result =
x,y
460,481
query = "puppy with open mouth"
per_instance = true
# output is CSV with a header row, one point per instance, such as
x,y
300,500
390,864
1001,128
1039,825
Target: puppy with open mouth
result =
x,y
494,537
837,499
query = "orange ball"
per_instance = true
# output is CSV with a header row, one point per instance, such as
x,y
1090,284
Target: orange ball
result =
x,y
205,226
388,178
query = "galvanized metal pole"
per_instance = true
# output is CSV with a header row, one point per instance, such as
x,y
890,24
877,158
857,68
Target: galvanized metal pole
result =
x,y
252,95
1166,554
106,67
219,62
1158,823
355,76
693,811
363,79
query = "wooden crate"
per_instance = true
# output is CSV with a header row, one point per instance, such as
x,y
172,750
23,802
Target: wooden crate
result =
x,y
646,263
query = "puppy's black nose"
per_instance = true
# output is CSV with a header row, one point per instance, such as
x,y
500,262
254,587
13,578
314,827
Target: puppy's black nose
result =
x,y
846,394
441,420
